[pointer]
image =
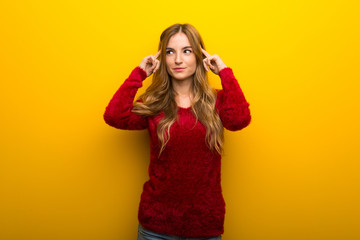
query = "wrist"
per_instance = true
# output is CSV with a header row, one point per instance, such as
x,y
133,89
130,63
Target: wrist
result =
x,y
221,67
143,73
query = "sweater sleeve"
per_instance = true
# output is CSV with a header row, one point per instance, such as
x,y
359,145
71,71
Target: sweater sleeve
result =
x,y
231,104
118,112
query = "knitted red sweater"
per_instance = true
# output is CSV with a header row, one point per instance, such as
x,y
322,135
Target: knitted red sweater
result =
x,y
183,196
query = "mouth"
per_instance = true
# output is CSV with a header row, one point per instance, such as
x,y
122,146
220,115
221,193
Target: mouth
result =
x,y
178,69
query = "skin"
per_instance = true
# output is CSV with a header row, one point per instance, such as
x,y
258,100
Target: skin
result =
x,y
179,54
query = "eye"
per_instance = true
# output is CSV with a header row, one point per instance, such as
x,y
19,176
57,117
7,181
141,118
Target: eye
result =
x,y
187,51
169,52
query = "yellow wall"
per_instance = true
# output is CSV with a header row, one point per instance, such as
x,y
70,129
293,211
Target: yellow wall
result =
x,y
292,174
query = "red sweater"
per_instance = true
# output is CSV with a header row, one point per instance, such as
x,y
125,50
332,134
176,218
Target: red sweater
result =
x,y
183,195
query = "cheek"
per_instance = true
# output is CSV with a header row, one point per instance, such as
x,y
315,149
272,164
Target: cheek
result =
x,y
193,61
168,62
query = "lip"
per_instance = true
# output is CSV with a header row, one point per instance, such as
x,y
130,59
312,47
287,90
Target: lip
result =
x,y
178,69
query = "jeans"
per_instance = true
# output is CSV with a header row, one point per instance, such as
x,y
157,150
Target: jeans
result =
x,y
144,234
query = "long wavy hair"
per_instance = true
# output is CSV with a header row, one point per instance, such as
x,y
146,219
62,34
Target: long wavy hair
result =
x,y
160,95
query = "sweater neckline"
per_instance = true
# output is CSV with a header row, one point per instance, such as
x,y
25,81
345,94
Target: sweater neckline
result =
x,y
187,108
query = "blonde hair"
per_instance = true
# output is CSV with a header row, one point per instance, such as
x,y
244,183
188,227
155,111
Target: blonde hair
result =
x,y
160,95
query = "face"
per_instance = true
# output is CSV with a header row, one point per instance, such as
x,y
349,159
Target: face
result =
x,y
180,58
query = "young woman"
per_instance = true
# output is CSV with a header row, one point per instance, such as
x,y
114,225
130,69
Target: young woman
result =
x,y
185,118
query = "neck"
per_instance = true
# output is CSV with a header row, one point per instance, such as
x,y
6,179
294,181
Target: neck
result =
x,y
182,87
183,94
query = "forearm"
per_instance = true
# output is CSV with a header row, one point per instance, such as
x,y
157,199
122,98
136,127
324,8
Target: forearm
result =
x,y
118,112
232,105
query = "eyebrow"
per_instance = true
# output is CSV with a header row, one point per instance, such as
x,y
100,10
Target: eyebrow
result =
x,y
182,48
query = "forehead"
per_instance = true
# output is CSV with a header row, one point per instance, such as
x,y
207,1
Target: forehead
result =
x,y
178,40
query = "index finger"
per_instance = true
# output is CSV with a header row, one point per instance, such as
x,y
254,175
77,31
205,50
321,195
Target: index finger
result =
x,y
205,53
157,54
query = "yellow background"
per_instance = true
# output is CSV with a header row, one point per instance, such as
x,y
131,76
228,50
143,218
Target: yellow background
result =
x,y
293,173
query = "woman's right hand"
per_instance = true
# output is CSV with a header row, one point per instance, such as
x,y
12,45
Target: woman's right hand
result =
x,y
150,64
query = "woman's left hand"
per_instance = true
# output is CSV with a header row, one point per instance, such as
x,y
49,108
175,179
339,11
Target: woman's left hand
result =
x,y
213,61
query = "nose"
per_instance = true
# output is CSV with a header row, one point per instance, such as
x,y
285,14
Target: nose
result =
x,y
178,59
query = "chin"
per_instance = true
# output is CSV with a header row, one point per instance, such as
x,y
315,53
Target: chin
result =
x,y
181,75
